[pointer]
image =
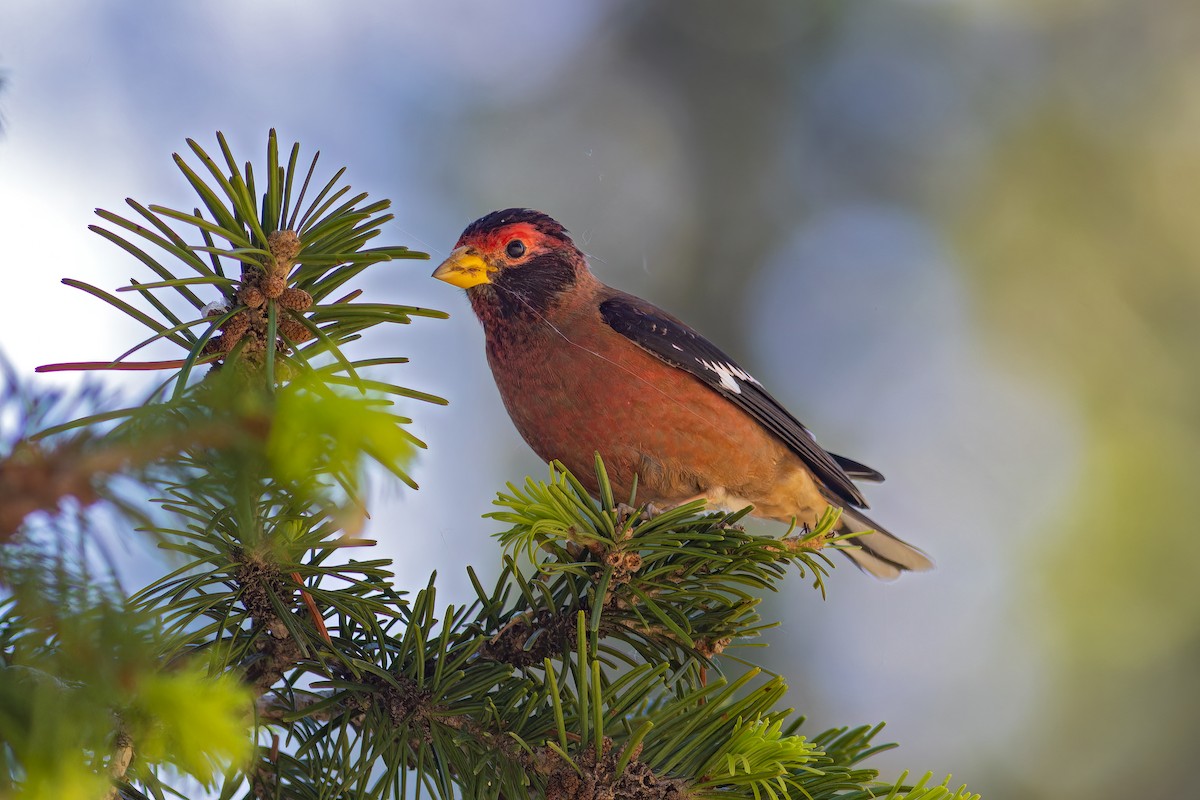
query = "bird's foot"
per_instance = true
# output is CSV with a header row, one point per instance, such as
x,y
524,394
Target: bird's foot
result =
x,y
626,512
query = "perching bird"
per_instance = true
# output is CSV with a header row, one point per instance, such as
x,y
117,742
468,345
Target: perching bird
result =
x,y
585,368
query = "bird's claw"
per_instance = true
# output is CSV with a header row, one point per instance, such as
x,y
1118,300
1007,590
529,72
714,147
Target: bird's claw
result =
x,y
626,512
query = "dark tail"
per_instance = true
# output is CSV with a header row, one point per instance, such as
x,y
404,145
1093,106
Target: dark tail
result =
x,y
879,552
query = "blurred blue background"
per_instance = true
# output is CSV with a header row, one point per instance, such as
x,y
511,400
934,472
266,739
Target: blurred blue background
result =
x,y
960,240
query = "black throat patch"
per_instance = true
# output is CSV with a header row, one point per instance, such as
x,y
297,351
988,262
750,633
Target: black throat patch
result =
x,y
524,295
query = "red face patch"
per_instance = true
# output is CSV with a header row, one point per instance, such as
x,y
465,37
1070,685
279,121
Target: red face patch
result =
x,y
494,241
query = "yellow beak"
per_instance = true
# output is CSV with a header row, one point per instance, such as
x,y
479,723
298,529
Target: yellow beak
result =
x,y
464,269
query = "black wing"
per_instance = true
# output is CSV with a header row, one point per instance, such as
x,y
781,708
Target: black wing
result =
x,y
677,344
856,470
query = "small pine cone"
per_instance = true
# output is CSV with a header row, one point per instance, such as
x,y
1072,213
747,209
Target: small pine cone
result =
x,y
295,299
294,331
285,246
216,344
251,297
273,286
236,326
712,647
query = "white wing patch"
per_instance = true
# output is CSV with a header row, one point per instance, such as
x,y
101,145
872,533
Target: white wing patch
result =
x,y
729,374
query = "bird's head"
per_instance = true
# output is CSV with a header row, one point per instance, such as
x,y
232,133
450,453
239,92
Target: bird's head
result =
x,y
518,259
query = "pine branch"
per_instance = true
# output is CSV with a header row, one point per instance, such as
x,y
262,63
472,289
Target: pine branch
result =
x,y
118,763
563,757
38,477
215,441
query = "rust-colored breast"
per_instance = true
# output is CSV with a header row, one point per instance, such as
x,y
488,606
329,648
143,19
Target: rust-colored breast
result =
x,y
573,386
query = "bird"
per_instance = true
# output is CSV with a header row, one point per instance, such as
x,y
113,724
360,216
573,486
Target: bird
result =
x,y
583,368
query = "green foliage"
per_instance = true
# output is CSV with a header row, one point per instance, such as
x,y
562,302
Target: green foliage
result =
x,y
268,662
319,431
80,671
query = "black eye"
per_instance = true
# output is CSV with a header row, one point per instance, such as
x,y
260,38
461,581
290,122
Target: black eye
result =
x,y
515,248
